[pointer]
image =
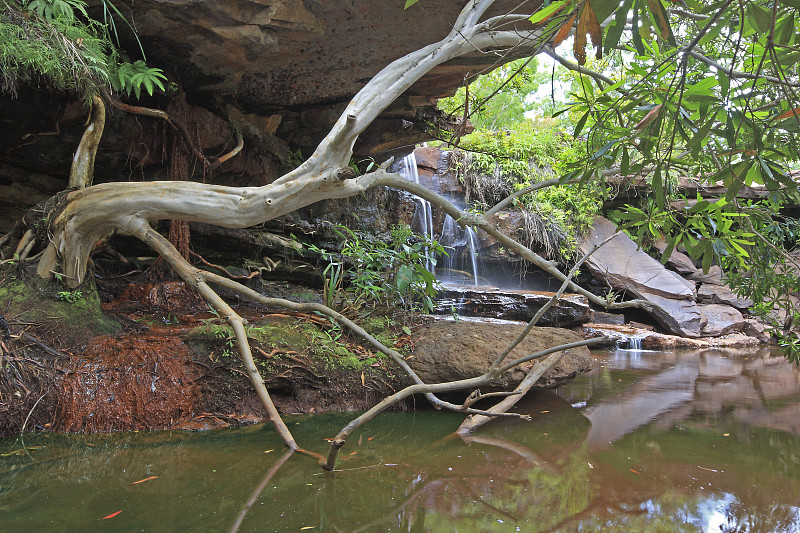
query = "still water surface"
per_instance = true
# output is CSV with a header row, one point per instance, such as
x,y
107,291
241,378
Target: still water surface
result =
x,y
647,442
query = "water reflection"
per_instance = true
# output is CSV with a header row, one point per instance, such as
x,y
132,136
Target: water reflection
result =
x,y
679,441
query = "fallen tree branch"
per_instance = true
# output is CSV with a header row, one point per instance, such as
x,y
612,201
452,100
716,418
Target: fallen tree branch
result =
x,y
473,422
469,383
194,277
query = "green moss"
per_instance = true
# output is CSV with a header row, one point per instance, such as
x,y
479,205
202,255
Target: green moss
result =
x,y
330,348
77,313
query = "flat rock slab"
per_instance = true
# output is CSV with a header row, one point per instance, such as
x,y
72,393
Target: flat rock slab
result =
x,y
721,319
626,267
571,309
721,294
448,351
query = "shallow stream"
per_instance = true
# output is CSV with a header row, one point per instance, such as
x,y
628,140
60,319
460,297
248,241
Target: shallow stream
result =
x,y
648,441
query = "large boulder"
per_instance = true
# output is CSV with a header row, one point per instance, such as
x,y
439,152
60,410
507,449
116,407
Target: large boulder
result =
x,y
448,351
626,267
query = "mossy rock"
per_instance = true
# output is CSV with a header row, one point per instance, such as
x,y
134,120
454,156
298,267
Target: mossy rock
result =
x,y
327,350
73,316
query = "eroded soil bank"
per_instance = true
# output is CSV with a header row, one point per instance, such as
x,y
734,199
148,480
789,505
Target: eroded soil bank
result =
x,y
154,357
128,356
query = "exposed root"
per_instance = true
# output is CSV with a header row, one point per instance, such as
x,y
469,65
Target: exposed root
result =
x,y
163,115
194,277
82,172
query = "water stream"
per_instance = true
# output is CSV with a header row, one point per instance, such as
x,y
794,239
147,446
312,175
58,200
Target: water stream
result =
x,y
648,441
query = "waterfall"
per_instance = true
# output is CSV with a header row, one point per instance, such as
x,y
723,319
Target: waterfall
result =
x,y
423,214
633,342
472,245
460,265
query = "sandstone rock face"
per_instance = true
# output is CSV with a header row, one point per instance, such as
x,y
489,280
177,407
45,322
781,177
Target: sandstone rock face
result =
x,y
281,70
628,268
571,309
721,294
446,351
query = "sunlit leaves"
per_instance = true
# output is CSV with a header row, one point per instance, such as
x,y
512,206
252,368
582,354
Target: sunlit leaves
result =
x,y
546,12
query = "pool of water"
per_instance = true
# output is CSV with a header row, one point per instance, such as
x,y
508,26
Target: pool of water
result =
x,y
648,441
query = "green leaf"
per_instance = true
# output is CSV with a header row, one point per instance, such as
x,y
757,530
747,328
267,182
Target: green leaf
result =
x,y
405,275
614,30
759,17
637,37
581,123
410,3
407,330
543,13
604,149
785,30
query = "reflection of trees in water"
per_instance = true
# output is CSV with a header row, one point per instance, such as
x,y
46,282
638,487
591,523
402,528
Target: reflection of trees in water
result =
x,y
742,518
539,476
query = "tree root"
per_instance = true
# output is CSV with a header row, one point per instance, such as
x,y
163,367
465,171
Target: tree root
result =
x,y
82,172
194,277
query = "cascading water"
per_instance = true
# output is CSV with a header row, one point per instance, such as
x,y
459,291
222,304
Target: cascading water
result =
x,y
472,245
460,265
633,343
423,214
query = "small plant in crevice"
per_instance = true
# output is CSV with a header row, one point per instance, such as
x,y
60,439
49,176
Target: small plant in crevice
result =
x,y
69,296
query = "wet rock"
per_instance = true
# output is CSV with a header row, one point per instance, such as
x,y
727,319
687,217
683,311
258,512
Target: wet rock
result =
x,y
722,319
650,340
721,294
447,351
517,305
431,157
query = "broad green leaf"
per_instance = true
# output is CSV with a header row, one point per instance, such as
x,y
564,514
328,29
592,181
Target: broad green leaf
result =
x,y
405,275
759,17
410,3
581,123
